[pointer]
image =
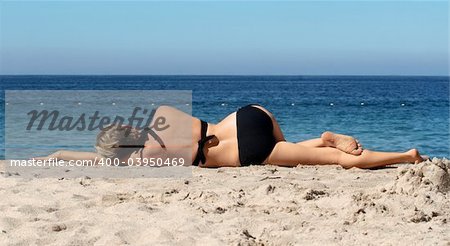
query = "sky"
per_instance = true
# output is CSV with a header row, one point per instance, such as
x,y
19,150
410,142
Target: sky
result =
x,y
224,38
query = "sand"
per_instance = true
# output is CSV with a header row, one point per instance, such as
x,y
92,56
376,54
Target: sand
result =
x,y
257,205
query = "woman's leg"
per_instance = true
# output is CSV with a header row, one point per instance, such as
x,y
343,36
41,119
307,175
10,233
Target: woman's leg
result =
x,y
328,139
291,154
314,143
342,142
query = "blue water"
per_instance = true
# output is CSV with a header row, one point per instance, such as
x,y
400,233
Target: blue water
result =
x,y
386,113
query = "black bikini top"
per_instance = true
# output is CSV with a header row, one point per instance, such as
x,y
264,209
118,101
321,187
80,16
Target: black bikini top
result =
x,y
200,158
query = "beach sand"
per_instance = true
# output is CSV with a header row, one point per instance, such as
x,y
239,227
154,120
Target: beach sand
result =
x,y
256,205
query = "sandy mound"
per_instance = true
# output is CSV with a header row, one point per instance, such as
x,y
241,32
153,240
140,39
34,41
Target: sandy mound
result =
x,y
430,176
419,193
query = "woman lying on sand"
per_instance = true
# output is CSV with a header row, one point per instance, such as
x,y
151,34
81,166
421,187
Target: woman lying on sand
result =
x,y
249,136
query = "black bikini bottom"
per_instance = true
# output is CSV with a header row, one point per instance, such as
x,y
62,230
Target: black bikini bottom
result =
x,y
254,134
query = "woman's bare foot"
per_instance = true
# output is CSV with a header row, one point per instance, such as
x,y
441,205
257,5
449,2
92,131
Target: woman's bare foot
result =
x,y
341,142
416,157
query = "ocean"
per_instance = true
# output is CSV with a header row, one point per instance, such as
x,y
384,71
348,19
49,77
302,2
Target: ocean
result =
x,y
386,113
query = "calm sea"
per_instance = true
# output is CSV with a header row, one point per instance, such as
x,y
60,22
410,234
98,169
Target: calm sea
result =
x,y
387,113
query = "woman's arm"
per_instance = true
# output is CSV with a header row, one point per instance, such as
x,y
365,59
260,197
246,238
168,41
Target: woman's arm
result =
x,y
72,155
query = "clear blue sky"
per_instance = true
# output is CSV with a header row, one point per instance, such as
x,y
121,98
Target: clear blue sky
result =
x,y
312,38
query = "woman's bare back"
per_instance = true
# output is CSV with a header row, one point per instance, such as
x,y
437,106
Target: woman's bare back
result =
x,y
181,135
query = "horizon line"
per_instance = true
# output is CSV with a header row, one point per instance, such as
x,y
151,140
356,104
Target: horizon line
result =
x,y
236,75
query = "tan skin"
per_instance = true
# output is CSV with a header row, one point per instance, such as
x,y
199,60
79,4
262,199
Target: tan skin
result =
x,y
222,151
